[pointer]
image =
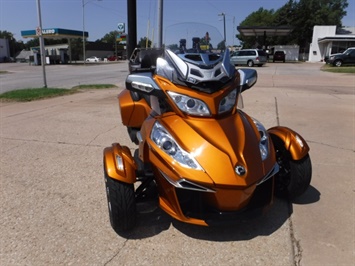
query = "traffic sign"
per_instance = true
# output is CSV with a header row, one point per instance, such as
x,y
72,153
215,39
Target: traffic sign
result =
x,y
38,31
121,27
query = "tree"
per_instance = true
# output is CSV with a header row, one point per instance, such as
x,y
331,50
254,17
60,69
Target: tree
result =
x,y
109,37
144,42
262,17
302,15
308,13
32,43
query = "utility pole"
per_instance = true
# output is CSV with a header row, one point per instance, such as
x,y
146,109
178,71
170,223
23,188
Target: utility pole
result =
x,y
132,26
84,46
160,23
233,30
224,25
41,42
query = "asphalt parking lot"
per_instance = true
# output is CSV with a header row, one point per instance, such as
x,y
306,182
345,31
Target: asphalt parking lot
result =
x,y
53,202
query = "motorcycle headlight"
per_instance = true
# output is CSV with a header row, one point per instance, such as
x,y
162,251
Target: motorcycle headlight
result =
x,y
227,102
264,139
189,105
167,143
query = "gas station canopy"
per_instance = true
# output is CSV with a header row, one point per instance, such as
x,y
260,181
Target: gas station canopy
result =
x,y
264,31
54,33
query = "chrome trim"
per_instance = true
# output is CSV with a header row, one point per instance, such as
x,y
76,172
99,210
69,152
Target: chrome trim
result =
x,y
240,170
139,137
272,172
119,162
144,80
180,184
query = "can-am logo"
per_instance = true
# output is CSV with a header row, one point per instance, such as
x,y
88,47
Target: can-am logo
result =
x,y
48,31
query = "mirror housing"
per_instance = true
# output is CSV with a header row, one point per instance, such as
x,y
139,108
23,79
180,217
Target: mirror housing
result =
x,y
248,78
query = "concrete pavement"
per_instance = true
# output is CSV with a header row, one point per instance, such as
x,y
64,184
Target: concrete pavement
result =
x,y
53,203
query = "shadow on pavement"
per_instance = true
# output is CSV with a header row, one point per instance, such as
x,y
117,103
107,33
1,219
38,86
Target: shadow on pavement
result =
x,y
311,195
156,221
152,221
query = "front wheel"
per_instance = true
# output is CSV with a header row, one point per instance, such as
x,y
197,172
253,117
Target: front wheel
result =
x,y
294,177
338,63
121,204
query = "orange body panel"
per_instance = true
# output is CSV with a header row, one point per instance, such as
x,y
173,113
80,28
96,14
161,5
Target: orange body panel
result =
x,y
127,174
228,142
294,142
133,113
212,100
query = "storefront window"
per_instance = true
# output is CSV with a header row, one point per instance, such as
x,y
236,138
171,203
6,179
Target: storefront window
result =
x,y
339,47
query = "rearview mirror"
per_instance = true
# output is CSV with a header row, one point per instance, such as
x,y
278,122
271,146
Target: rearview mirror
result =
x,y
248,78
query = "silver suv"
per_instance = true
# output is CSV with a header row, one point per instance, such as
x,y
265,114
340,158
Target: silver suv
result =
x,y
249,57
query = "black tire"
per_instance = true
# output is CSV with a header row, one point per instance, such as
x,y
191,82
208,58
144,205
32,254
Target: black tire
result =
x,y
250,63
338,63
121,205
294,177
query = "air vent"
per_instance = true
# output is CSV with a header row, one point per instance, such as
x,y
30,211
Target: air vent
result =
x,y
196,72
217,72
193,57
213,57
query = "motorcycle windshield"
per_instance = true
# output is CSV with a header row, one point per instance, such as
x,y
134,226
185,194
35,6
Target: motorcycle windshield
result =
x,y
193,38
195,53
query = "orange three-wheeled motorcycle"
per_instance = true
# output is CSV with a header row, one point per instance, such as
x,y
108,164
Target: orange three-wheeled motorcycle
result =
x,y
208,162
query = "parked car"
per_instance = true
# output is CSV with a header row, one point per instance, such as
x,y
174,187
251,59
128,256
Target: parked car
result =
x,y
279,56
345,58
112,58
92,59
249,57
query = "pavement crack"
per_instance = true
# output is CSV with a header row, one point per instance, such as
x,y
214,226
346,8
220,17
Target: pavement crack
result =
x,y
296,244
331,146
277,112
91,141
117,253
51,142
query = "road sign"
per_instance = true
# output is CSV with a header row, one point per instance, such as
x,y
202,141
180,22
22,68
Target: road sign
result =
x,y
38,31
121,27
121,37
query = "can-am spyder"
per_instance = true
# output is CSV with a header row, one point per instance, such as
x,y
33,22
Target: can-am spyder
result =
x,y
208,161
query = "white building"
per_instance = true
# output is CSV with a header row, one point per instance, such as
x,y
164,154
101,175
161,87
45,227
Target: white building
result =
x,y
291,51
326,41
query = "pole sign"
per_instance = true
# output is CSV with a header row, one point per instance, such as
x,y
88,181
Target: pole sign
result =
x,y
121,27
121,37
38,31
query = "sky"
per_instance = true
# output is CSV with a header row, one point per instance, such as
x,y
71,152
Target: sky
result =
x,y
103,16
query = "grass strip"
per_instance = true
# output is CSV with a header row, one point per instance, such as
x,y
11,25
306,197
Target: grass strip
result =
x,y
32,94
342,69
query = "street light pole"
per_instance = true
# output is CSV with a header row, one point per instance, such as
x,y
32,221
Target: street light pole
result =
x,y
41,42
84,50
160,23
224,25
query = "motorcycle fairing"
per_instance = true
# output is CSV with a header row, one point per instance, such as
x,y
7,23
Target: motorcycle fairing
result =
x,y
212,100
133,113
235,135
